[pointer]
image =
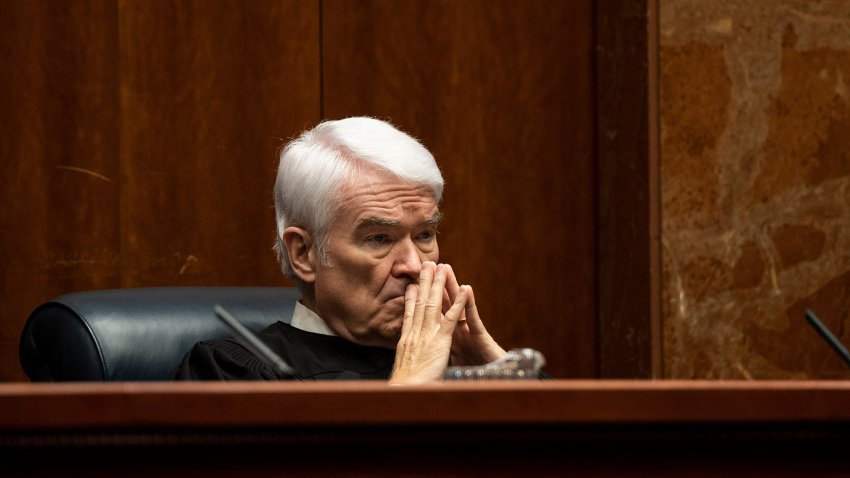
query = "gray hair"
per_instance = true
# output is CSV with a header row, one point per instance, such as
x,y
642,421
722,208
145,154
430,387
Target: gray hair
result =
x,y
315,165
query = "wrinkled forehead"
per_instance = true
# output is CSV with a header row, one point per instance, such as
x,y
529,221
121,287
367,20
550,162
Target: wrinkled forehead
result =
x,y
376,193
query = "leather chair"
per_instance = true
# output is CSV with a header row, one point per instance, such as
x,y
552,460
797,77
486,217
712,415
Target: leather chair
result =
x,y
138,334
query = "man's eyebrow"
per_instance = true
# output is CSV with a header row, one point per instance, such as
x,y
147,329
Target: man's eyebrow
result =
x,y
374,221
435,219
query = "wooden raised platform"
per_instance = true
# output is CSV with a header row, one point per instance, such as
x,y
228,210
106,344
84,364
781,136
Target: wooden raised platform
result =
x,y
583,428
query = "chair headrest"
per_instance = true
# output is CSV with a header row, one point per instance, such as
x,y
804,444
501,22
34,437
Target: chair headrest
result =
x,y
138,334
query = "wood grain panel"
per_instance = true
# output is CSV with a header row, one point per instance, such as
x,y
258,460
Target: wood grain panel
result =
x,y
624,197
58,157
502,93
213,405
208,91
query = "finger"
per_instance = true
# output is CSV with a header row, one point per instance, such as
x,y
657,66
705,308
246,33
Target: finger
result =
x,y
426,276
434,306
409,306
472,318
452,285
452,290
451,318
405,346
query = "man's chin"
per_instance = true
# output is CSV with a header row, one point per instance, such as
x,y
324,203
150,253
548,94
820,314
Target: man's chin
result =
x,y
390,331
384,328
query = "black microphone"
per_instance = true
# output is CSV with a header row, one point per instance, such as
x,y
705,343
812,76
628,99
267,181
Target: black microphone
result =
x,y
827,335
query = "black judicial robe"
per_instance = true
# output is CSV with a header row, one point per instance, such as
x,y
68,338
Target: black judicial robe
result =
x,y
313,356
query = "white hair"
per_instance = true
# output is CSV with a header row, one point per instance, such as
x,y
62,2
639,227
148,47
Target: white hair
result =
x,y
314,166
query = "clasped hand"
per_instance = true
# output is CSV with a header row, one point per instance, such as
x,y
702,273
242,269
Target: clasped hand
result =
x,y
441,326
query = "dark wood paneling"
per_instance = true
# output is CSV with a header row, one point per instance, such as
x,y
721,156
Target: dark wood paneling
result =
x,y
139,144
625,200
208,90
502,93
58,157
140,150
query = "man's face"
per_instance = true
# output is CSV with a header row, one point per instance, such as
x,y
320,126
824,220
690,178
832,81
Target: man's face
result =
x,y
382,234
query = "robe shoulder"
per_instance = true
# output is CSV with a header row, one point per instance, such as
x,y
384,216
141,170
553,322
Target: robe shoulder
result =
x,y
313,356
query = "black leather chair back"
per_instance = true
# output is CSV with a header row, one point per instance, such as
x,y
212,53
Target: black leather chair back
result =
x,y
138,334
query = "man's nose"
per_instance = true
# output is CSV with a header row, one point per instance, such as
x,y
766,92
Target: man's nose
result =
x,y
407,260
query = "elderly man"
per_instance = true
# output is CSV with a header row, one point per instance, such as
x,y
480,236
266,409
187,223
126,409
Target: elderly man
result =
x,y
357,205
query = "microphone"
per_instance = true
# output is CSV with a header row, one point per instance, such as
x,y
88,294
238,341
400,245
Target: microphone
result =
x,y
827,335
247,339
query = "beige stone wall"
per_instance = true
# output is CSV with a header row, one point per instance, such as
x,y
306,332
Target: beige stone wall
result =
x,y
755,186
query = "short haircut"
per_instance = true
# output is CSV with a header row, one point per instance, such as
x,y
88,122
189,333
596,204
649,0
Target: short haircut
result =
x,y
315,165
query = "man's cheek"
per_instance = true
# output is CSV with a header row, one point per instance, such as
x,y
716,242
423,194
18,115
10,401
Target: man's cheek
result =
x,y
396,308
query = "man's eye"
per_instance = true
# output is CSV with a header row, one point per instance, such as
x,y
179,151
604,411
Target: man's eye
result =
x,y
426,235
378,239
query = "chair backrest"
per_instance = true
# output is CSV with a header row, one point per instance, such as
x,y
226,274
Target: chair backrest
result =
x,y
138,334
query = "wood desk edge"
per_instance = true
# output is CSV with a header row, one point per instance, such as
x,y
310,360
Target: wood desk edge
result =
x,y
286,404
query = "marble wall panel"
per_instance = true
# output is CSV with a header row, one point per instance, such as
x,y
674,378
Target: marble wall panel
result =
x,y
755,186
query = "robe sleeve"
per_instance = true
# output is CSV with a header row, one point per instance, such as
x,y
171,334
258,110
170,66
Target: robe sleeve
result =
x,y
222,360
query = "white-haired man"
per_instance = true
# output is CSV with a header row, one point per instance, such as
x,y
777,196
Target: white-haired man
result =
x,y
357,204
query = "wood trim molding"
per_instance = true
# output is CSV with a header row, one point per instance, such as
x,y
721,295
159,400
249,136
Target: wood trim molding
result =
x,y
628,280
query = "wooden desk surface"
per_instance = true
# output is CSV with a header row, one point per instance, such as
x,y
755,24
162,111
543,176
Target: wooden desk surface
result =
x,y
582,425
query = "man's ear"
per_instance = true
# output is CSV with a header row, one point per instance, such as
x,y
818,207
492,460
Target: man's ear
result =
x,y
299,247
